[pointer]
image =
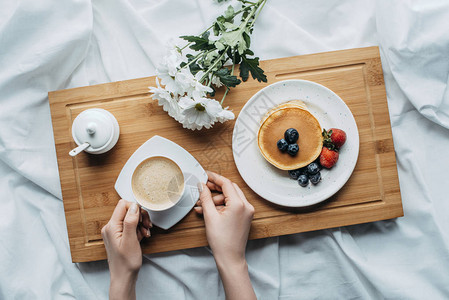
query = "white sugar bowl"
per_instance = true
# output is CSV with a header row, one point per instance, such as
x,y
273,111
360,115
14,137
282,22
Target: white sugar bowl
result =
x,y
95,131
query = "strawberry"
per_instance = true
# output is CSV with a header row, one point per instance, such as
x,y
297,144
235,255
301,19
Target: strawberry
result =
x,y
328,157
334,138
338,137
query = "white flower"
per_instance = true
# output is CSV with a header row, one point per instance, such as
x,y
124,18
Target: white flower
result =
x,y
167,70
201,112
225,115
216,81
167,100
185,79
183,96
197,89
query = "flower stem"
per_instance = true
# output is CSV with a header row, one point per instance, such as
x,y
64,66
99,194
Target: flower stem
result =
x,y
255,18
214,64
227,89
243,9
224,96
197,57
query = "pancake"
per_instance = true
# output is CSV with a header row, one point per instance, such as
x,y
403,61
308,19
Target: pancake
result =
x,y
292,103
293,114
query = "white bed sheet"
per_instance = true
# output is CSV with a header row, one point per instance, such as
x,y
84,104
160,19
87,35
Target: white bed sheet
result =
x,y
49,45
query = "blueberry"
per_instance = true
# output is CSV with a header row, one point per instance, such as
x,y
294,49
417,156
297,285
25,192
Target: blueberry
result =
x,y
313,168
282,145
292,149
294,174
303,171
315,178
291,135
303,180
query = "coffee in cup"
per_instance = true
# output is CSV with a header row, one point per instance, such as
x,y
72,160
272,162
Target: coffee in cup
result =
x,y
157,183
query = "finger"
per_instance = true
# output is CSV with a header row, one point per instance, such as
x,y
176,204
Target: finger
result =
x,y
213,187
213,178
240,193
146,219
139,233
144,232
206,201
119,212
218,200
225,184
130,222
104,232
199,209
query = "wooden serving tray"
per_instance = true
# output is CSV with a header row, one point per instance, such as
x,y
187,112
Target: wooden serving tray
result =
x,y
371,194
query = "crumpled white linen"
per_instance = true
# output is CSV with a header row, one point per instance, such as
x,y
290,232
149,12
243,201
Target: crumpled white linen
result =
x,y
50,45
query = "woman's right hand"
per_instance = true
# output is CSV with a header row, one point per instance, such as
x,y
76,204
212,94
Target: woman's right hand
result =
x,y
228,217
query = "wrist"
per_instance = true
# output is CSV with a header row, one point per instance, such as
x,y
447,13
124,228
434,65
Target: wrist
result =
x,y
123,286
231,264
235,278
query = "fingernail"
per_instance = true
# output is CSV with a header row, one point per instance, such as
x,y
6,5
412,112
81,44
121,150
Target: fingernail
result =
x,y
148,232
133,208
151,225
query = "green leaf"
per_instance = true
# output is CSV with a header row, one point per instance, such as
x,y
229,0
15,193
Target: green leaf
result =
x,y
234,39
230,26
208,60
206,35
221,20
251,65
219,46
226,78
249,52
229,13
234,56
194,68
216,28
245,15
199,43
247,39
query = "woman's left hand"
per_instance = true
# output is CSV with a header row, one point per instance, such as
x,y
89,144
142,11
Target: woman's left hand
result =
x,y
122,235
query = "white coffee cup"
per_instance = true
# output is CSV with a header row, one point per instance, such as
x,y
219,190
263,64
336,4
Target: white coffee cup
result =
x,y
157,183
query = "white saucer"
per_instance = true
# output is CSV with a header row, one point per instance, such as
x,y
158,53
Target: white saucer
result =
x,y
274,184
190,167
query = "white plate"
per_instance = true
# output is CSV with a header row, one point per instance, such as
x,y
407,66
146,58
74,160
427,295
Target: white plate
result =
x,y
190,167
274,184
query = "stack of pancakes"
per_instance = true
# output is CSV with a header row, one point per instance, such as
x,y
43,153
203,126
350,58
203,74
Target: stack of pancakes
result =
x,y
292,114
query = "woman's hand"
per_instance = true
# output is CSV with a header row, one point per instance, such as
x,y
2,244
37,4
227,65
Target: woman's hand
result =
x,y
122,235
228,217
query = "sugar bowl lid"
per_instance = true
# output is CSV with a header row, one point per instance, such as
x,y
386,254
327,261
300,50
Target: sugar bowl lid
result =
x,y
96,127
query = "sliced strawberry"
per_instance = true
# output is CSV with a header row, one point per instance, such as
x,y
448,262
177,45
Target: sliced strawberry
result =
x,y
338,137
328,157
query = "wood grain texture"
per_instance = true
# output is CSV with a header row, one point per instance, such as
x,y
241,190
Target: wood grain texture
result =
x,y
371,194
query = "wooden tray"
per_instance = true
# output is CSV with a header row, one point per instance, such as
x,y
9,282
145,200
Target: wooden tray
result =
x,y
371,194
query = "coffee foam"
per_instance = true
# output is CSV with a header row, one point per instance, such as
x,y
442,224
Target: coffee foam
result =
x,y
157,183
